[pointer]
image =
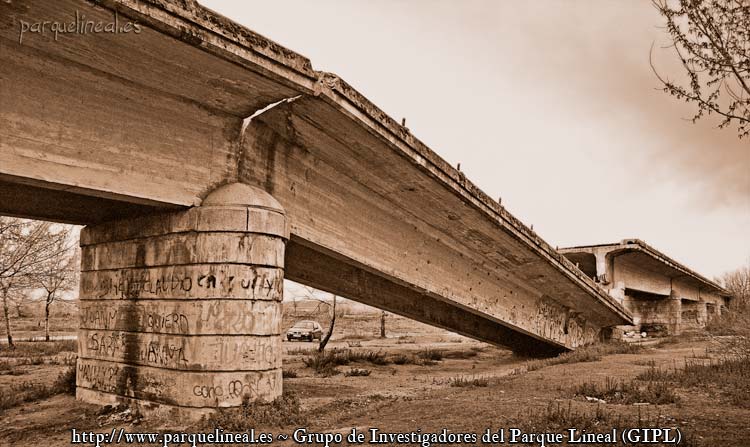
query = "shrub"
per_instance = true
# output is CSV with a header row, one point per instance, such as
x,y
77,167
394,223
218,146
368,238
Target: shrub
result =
x,y
621,392
462,381
736,322
357,372
289,373
374,357
431,354
66,382
402,359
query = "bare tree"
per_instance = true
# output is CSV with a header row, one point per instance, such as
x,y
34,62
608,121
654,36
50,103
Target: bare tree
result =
x,y
712,41
327,337
382,324
310,293
738,283
24,246
19,299
57,274
294,305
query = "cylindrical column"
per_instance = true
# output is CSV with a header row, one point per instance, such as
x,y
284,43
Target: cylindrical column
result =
x,y
182,311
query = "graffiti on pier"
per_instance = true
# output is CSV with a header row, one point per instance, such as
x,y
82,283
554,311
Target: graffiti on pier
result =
x,y
230,281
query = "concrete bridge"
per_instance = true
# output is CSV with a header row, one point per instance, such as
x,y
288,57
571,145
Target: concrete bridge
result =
x,y
133,117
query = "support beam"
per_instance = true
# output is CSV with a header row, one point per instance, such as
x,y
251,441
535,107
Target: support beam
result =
x,y
181,312
324,270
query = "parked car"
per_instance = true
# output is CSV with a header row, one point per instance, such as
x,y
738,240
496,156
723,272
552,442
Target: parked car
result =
x,y
305,330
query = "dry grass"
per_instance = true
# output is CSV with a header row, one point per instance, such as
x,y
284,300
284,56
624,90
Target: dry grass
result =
x,y
468,382
460,354
29,391
726,376
624,392
731,323
282,412
357,372
289,373
301,351
591,353
325,363
34,349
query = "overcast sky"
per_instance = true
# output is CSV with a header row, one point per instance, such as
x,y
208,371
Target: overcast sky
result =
x,y
550,105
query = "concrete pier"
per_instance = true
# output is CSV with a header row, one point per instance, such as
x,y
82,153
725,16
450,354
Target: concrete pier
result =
x,y
182,311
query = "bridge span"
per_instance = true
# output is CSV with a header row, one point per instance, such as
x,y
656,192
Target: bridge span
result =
x,y
195,213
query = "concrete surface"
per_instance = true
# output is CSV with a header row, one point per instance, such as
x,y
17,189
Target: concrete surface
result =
x,y
183,310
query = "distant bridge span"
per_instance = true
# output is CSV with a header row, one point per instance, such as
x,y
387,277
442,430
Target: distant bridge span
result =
x,y
195,213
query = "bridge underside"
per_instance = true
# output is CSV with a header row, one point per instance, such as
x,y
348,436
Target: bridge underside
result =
x,y
122,131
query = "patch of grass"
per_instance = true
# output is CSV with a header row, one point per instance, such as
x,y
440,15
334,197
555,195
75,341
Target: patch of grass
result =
x,y
467,382
729,377
430,354
653,373
557,416
622,392
301,351
374,357
325,362
460,354
36,349
591,353
731,323
405,339
357,372
27,391
282,412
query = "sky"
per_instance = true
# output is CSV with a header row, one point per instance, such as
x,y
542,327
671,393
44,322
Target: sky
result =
x,y
550,104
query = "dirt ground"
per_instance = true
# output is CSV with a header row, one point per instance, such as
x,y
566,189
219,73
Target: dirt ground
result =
x,y
404,398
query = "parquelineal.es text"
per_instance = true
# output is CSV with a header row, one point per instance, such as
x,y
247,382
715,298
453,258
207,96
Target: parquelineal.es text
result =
x,y
78,25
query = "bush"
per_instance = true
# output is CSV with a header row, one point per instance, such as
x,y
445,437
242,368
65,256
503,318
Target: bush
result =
x,y
66,382
402,359
289,373
357,372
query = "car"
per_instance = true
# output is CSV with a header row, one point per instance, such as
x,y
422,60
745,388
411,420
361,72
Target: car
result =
x,y
305,330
